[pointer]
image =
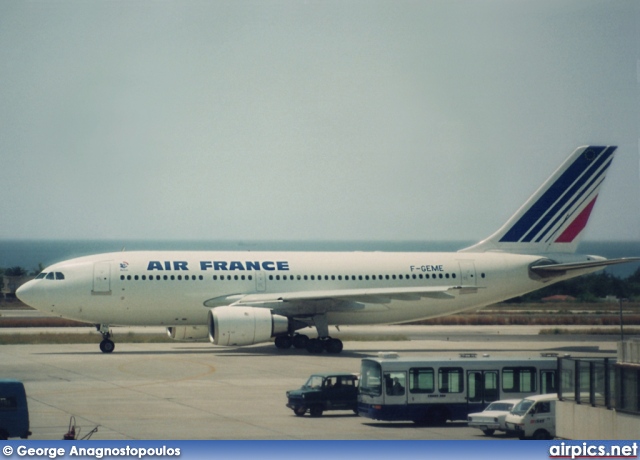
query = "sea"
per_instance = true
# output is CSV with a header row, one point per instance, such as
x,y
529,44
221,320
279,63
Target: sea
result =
x,y
30,254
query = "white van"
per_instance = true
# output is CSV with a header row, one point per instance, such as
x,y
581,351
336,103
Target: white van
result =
x,y
534,417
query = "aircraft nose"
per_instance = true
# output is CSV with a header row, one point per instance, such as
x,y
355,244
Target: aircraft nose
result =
x,y
27,295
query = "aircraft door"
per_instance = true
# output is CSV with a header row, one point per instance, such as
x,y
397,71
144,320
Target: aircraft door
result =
x,y
101,278
467,272
261,281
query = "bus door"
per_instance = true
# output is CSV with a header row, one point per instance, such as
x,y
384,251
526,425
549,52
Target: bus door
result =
x,y
395,391
548,381
482,389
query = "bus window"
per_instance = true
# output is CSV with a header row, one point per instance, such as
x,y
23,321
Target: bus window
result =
x,y
450,380
394,383
491,387
421,380
8,403
371,378
548,383
519,379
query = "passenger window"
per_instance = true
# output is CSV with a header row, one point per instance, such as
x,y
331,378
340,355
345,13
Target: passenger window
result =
x,y
394,383
543,407
348,381
450,380
519,379
421,380
8,403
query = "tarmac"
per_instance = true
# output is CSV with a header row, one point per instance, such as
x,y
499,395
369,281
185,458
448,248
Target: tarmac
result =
x,y
185,391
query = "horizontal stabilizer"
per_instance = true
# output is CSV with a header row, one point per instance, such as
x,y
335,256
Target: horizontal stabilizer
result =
x,y
555,268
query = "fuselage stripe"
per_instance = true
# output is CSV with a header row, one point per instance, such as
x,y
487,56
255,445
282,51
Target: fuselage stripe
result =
x,y
562,218
563,211
577,225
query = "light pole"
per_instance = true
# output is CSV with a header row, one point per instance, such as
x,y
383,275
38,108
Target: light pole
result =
x,y
620,300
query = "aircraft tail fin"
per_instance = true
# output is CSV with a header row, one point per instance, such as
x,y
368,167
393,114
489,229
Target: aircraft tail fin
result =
x,y
553,218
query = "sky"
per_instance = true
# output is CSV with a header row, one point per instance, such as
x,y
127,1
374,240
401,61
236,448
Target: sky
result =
x,y
309,120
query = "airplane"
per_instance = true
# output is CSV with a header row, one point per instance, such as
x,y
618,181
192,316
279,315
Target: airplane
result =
x,y
245,298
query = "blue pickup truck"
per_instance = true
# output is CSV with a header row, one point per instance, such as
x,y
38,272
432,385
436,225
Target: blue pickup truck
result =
x,y
14,413
326,391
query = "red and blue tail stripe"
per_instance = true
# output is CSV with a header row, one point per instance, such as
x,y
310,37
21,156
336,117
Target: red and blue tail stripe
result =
x,y
562,205
553,218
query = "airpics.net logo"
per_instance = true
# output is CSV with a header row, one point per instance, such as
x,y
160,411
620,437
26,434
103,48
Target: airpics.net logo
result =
x,y
587,450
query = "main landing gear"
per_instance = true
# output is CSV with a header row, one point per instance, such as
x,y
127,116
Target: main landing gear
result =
x,y
318,345
322,343
107,345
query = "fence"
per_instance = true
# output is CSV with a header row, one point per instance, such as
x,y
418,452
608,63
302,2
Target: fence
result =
x,y
600,382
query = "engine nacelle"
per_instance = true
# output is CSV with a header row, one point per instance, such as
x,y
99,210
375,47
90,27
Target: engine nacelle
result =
x,y
235,326
188,333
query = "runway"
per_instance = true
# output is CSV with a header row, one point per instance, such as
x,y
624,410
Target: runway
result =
x,y
198,391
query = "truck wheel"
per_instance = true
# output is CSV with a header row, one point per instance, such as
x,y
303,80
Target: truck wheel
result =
x,y
540,435
300,411
315,411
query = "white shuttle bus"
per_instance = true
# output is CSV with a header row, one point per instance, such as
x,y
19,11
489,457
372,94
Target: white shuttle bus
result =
x,y
434,390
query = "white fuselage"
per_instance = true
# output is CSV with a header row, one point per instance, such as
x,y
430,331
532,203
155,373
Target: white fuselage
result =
x,y
171,288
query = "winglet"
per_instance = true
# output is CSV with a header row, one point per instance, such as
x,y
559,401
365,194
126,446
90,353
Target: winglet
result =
x,y
553,218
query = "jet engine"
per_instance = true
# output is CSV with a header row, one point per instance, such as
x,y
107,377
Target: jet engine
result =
x,y
235,326
188,333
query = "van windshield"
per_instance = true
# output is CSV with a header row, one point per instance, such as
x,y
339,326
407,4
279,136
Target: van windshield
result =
x,y
522,407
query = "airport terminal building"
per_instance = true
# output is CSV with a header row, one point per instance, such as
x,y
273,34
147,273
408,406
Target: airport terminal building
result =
x,y
600,397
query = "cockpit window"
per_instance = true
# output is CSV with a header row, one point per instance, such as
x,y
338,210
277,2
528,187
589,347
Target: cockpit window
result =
x,y
50,276
41,275
59,276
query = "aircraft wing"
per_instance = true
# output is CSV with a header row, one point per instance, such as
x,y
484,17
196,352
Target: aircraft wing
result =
x,y
558,269
316,302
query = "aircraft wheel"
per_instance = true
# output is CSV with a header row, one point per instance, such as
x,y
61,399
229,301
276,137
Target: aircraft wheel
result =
x,y
333,345
107,346
283,341
300,341
315,346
